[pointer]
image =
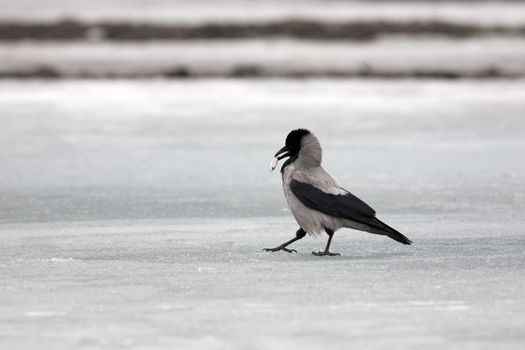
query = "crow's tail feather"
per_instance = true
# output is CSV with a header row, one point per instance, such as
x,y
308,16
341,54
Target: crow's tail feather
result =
x,y
393,233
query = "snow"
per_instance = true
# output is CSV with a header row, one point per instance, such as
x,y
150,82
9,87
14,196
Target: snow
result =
x,y
394,54
197,11
134,214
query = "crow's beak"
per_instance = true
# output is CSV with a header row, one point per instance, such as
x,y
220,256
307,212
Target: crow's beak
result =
x,y
282,153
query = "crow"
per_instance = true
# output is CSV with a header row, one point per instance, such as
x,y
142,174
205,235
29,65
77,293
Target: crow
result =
x,y
315,199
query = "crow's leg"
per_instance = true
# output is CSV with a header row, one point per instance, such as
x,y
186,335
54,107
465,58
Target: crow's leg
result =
x,y
327,249
300,234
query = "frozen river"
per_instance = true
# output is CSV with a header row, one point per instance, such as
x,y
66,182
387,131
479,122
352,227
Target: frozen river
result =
x,y
133,215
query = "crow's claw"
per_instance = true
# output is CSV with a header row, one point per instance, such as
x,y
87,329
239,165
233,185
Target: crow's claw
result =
x,y
280,248
325,253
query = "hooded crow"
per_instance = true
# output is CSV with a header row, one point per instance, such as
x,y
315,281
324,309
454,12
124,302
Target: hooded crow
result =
x,y
315,199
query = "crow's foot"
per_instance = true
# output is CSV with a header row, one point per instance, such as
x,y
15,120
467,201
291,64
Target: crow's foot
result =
x,y
325,253
276,249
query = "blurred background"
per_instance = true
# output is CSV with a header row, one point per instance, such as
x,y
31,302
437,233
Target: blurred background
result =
x,y
139,109
245,38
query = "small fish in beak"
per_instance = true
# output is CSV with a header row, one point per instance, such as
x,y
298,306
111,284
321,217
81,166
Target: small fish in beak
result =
x,y
273,163
282,153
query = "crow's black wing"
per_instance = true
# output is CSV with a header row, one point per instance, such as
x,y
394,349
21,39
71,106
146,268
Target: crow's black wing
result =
x,y
345,206
338,205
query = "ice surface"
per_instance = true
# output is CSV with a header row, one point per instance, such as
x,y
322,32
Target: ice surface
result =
x,y
133,215
158,149
206,284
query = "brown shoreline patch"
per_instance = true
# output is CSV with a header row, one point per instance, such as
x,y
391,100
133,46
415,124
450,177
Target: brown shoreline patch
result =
x,y
292,28
256,72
